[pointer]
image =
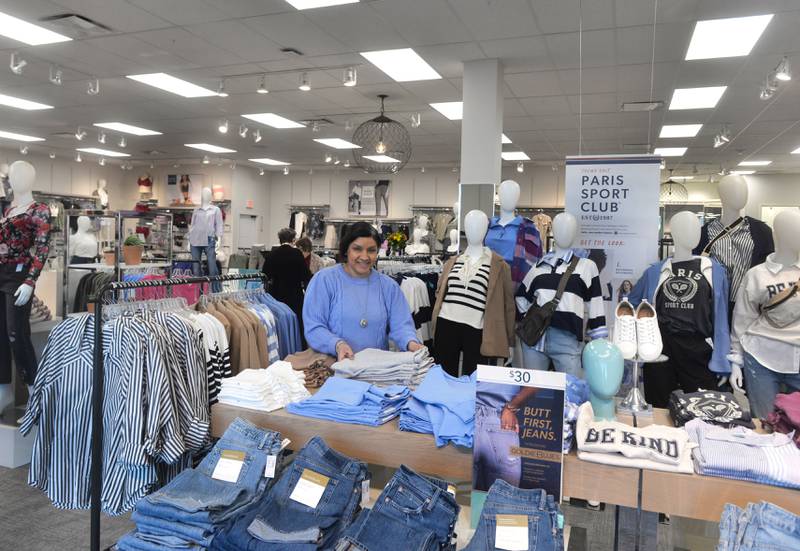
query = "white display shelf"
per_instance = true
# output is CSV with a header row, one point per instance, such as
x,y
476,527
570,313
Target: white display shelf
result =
x,y
123,266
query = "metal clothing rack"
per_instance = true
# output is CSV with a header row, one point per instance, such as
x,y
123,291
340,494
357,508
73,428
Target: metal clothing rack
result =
x,y
96,472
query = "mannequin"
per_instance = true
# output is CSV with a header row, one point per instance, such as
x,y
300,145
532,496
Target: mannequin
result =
x,y
513,237
205,236
474,309
24,246
604,368
749,241
689,293
82,243
764,346
562,342
451,242
418,244
453,246
145,183
101,193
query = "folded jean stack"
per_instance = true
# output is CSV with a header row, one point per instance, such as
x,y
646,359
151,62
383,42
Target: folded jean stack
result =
x,y
786,417
188,512
509,509
316,366
384,368
759,527
351,401
743,454
717,408
264,389
444,406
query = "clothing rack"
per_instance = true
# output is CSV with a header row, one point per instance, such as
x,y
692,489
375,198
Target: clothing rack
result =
x,y
312,208
96,472
432,208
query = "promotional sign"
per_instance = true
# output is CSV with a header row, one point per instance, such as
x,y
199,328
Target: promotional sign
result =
x,y
368,197
184,189
519,419
615,200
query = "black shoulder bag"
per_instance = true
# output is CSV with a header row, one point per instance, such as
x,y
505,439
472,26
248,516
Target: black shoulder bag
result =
x,y
537,318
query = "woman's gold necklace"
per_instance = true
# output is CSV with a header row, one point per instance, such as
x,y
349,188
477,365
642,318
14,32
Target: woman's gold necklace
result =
x,y
363,323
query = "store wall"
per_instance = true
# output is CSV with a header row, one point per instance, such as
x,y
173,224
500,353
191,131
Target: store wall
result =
x,y
768,190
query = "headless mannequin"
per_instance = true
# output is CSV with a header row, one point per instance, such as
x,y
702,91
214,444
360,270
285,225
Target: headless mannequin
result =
x,y
508,193
101,193
82,243
787,253
417,245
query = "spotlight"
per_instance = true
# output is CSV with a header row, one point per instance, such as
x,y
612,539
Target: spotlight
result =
x,y
52,155
286,171
56,75
769,88
152,166
416,120
93,86
304,85
723,137
223,126
422,169
350,77
78,158
221,89
347,163
520,167
310,171
17,64
783,70
455,169
102,161
233,165
262,86
336,160
328,158
23,149
101,137
80,134
663,164
260,171
122,142
243,130
206,160
348,125
257,135
315,126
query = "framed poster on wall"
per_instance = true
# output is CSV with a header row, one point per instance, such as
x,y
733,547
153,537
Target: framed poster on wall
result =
x,y
184,189
368,197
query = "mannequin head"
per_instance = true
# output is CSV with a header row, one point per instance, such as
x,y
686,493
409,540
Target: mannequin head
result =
x,y
3,169
22,175
84,224
508,193
786,229
565,230
733,192
205,196
603,367
422,222
685,229
456,209
453,239
475,225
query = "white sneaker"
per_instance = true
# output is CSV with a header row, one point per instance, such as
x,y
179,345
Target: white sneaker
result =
x,y
648,336
625,329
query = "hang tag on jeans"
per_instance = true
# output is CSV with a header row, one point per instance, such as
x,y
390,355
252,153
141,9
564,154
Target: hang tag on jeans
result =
x,y
309,488
229,466
451,489
269,468
365,492
285,442
511,532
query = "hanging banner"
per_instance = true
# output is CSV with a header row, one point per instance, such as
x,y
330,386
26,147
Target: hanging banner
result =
x,y
615,200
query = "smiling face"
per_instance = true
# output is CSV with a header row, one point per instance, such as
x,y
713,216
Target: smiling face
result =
x,y
361,256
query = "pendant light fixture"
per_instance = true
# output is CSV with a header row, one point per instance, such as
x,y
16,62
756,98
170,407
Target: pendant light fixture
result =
x,y
385,145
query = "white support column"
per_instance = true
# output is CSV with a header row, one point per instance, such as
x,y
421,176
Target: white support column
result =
x,y
482,125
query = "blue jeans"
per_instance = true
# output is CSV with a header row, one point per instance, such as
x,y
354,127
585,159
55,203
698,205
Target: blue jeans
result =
x,y
544,533
133,541
277,523
211,260
492,451
763,385
413,512
165,531
560,346
759,527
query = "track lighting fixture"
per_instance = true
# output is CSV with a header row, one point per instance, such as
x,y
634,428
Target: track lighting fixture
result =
x,y
769,87
520,167
328,158
93,86
223,126
663,164
23,149
286,171
122,142
422,170
455,169
346,163
315,126
416,120
336,160
304,85
260,171
243,130
350,77
257,135
221,89
17,64
52,155
783,71
233,165
206,160
101,137
80,134
310,171
78,158
152,166
102,161
56,75
723,137
348,125
262,86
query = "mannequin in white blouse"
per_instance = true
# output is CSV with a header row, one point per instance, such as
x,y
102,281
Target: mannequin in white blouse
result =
x,y
420,234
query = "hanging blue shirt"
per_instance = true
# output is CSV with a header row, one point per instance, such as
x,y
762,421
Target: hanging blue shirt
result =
x,y
336,302
503,239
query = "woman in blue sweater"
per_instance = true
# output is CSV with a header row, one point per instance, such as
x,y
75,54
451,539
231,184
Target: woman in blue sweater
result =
x,y
351,306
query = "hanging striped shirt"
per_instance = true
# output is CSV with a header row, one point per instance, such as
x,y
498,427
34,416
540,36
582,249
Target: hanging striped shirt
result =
x,y
465,298
734,251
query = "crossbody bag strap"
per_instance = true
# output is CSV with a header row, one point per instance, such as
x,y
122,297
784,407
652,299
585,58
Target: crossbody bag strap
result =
x,y
562,284
725,231
780,298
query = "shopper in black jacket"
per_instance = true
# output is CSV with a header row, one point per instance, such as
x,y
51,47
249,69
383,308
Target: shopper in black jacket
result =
x,y
287,272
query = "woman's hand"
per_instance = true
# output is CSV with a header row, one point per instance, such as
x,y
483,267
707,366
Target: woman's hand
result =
x,y
413,346
343,351
508,420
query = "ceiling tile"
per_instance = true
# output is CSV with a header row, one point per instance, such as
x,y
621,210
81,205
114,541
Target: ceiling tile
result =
x,y
358,26
550,105
184,44
439,26
295,30
598,49
117,14
183,12
493,19
540,83
557,16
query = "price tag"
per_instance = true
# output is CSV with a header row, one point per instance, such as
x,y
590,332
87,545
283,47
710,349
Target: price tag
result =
x,y
309,488
511,532
365,492
229,466
269,468
451,489
285,443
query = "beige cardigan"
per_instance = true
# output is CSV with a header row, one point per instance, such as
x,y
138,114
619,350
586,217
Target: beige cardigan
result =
x,y
499,317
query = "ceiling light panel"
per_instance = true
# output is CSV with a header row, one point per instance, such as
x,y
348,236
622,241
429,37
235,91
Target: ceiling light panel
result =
x,y
209,147
743,172
19,103
755,163
453,110
273,120
311,4
515,156
670,151
19,137
731,37
127,128
271,162
103,152
174,85
403,65
796,151
381,158
505,139
680,130
696,98
33,35
337,143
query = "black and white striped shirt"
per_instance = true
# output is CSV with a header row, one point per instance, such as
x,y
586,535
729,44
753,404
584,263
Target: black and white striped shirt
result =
x,y
467,286
734,251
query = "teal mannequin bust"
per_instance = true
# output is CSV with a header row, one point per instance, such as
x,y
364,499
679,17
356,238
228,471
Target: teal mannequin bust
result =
x,y
603,366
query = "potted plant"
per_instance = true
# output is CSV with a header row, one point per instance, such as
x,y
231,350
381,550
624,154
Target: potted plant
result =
x,y
397,242
110,256
132,250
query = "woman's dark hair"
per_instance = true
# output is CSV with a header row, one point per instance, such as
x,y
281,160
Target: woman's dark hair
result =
x,y
286,235
359,229
304,244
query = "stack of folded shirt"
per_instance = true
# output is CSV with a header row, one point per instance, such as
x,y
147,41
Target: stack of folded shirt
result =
x,y
350,401
444,406
264,389
743,454
786,417
718,408
385,368
316,366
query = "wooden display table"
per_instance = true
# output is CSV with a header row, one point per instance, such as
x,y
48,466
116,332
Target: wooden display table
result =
x,y
691,496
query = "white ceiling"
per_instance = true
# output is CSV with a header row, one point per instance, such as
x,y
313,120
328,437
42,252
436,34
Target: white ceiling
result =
x,y
537,40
